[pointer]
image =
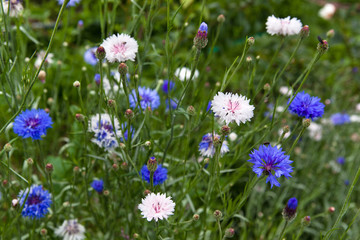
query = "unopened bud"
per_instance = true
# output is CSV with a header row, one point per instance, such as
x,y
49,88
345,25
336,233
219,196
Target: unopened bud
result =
x,y
323,46
147,192
225,130
305,221
286,129
250,41
100,53
76,169
196,217
123,69
111,103
14,203
49,167
206,160
50,101
76,84
135,235
218,214
43,232
221,18
331,209
42,76
289,212
5,183
115,167
129,114
217,141
106,192
124,166
152,164
305,31
190,110
267,87
248,59
330,33
147,143
79,117
30,161
122,145
306,122
7,147
229,233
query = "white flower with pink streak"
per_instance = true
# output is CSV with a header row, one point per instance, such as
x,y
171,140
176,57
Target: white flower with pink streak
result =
x,y
232,108
120,48
156,206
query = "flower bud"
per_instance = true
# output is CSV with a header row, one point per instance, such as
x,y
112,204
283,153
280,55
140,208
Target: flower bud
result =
x,y
330,33
129,114
286,129
221,18
111,103
80,24
323,46
229,233
100,53
5,183
217,214
124,166
152,164
305,31
267,87
42,76
115,167
289,212
49,167
122,145
233,136
14,203
147,143
43,232
106,193
196,217
217,141
306,122
225,130
147,192
200,40
76,169
190,110
123,69
79,117
7,147
136,236
305,221
76,84
250,41
30,161
331,209
206,160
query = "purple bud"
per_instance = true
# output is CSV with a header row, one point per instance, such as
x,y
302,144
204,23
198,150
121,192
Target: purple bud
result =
x,y
203,27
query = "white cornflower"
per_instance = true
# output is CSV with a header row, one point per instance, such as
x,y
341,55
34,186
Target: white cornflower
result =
x,y
71,230
105,135
120,48
284,90
233,136
283,26
315,131
184,74
328,11
156,206
16,8
232,107
49,59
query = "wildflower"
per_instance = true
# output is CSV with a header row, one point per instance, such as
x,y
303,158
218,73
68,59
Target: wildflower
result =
x,y
272,162
37,202
283,26
105,134
173,103
16,8
305,221
184,74
32,123
80,24
90,56
71,230
232,107
39,57
42,76
289,212
98,185
156,206
124,133
233,136
200,40
306,106
207,148
340,160
285,91
70,4
120,48
328,11
160,174
148,98
167,86
340,118
315,131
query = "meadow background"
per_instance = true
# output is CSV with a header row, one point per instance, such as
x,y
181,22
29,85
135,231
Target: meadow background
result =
x,y
165,31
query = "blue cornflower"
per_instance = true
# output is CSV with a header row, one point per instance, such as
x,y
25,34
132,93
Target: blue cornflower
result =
x,y
292,203
148,98
271,161
208,108
203,27
90,57
160,174
340,118
167,86
306,106
289,212
37,202
341,160
173,103
98,185
206,146
32,123
70,4
97,78
80,23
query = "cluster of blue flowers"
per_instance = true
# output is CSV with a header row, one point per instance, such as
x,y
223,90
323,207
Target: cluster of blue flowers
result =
x,y
148,98
160,174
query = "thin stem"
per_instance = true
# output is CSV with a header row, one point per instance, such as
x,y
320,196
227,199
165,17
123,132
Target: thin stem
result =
x,y
296,140
283,230
219,226
300,233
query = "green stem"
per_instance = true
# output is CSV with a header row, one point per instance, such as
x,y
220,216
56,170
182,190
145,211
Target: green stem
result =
x,y
300,233
296,140
283,230
219,226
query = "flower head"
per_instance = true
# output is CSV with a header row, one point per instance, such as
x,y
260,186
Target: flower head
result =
x,y
283,26
340,160
120,48
39,57
232,108
37,202
71,230
70,4
289,212
156,206
184,74
105,132
272,162
167,86
306,106
32,123
148,98
173,103
90,57
207,148
98,185
16,8
200,40
340,118
328,11
160,174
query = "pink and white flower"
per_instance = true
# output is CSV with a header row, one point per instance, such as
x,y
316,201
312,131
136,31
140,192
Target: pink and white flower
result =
x,y
71,230
283,26
156,206
328,11
120,48
232,108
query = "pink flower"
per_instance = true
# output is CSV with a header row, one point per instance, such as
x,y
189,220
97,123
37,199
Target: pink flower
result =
x,y
120,48
156,206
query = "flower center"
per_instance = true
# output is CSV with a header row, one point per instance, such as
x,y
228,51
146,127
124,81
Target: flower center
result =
x,y
33,200
120,48
232,107
72,228
32,122
157,207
